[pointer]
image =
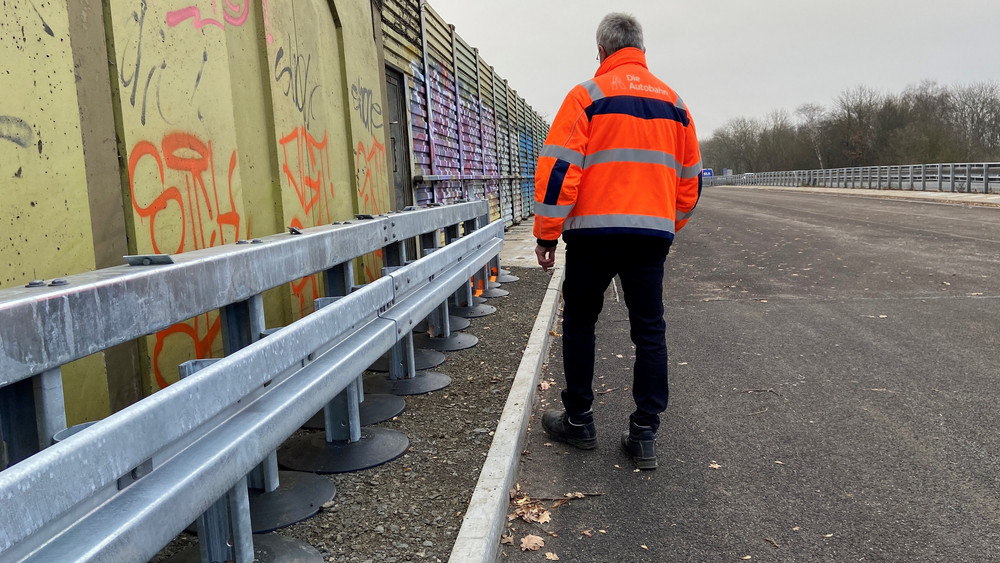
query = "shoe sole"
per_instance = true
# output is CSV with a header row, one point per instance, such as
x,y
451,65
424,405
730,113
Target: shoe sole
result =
x,y
645,463
581,444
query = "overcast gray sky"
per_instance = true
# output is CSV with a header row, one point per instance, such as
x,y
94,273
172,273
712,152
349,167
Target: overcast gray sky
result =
x,y
739,58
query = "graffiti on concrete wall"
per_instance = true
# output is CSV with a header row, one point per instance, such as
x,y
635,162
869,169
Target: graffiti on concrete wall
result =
x,y
189,196
367,107
195,198
233,13
305,161
147,83
373,192
291,74
306,165
16,131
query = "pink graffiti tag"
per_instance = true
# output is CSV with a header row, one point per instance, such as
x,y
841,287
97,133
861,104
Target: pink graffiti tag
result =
x,y
233,13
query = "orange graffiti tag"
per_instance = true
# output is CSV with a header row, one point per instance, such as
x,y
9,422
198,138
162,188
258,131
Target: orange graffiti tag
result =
x,y
195,208
307,168
201,330
198,209
373,193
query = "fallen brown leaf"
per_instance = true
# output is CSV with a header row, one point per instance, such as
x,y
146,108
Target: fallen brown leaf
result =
x,y
532,543
551,556
507,540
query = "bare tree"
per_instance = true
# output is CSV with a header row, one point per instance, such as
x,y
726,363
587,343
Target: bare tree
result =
x,y
813,118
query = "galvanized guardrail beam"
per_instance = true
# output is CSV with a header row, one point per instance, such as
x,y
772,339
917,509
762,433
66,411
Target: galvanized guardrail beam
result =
x,y
966,177
47,501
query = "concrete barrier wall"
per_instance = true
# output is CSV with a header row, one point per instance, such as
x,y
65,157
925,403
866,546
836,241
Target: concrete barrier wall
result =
x,y
162,127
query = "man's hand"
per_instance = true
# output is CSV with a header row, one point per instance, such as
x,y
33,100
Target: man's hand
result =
x,y
546,256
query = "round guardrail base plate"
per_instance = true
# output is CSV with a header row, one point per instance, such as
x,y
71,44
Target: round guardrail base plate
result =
x,y
493,285
424,382
267,548
457,341
503,272
298,496
376,408
491,293
454,323
311,452
507,278
423,359
474,312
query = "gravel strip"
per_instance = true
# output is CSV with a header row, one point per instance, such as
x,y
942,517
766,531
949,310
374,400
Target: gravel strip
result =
x,y
411,509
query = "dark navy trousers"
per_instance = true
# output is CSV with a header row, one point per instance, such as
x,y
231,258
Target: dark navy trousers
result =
x,y
591,263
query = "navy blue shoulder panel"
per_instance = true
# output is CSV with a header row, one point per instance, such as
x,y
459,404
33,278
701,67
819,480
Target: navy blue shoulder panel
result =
x,y
642,108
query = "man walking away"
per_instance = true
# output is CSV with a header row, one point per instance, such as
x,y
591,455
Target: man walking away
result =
x,y
619,175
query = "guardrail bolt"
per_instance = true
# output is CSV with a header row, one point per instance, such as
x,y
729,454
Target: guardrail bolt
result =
x,y
58,282
36,283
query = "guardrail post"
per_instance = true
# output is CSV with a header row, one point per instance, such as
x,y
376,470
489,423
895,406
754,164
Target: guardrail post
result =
x,y
439,336
487,281
32,411
467,303
923,177
224,530
18,426
986,178
345,446
277,498
952,176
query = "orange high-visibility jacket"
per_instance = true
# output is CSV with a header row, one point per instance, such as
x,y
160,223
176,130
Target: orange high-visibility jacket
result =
x,y
621,157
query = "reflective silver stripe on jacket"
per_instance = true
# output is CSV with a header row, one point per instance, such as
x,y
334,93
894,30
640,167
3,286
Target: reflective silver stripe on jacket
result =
x,y
562,153
553,211
640,156
594,90
691,171
612,221
681,215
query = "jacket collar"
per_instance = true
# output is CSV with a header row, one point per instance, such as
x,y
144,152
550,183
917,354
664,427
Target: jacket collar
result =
x,y
621,57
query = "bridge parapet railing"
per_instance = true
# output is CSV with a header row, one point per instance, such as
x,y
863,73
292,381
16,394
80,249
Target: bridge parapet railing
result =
x,y
967,177
200,437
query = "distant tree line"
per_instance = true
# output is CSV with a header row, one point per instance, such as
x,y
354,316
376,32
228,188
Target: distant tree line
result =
x,y
926,123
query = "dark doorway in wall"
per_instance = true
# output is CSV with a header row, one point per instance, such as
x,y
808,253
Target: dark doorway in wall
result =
x,y
399,144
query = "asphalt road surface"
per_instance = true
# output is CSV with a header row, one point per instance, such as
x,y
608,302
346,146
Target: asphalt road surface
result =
x,y
834,367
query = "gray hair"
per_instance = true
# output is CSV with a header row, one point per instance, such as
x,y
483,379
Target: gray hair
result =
x,y
618,31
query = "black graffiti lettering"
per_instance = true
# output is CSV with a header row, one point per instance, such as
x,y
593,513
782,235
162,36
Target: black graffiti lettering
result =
x,y
293,78
16,131
363,101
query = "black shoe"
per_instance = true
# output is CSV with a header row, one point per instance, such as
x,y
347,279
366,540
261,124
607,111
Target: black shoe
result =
x,y
559,426
640,443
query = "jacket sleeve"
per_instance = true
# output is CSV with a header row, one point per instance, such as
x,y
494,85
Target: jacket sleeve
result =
x,y
689,185
560,166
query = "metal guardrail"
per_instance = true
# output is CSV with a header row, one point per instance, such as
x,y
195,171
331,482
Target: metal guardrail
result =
x,y
202,436
981,178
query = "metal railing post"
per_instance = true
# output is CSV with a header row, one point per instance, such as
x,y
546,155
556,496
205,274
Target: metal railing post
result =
x,y
224,532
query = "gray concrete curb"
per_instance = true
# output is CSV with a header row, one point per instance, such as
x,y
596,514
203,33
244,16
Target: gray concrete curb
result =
x,y
479,537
